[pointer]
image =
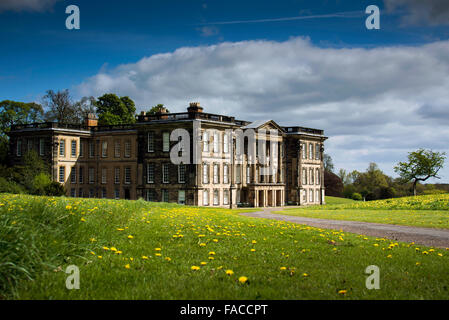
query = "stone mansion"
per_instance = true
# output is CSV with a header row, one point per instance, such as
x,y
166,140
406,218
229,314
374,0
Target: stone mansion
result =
x,y
133,161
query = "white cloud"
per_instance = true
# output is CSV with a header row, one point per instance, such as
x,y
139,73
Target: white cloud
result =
x,y
374,104
26,5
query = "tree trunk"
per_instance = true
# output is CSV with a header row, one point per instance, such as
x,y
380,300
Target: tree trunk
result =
x,y
414,187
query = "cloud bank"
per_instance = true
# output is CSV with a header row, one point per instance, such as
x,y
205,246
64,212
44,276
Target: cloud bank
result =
x,y
26,5
374,104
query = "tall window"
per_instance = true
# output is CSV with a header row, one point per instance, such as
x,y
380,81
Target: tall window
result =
x,y
165,141
73,192
117,194
310,151
151,141
225,143
181,197
104,193
182,173
216,198
73,175
91,175
311,180
317,177
81,193
216,169
61,174
104,149
117,148
127,175
225,173
151,196
127,149
73,148
304,151
81,148
304,176
41,146
317,195
205,141
91,193
248,174
216,142
150,173
62,148
91,149
225,196
205,197
19,148
81,175
317,151
104,175
29,144
311,195
238,174
117,175
165,173
165,197
205,173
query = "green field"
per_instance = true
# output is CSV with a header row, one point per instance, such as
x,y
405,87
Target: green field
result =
x,y
140,250
421,211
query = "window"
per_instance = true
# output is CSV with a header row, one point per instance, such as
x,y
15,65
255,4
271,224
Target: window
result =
x,y
117,149
91,175
311,180
216,141
311,195
225,173
165,142
216,199
91,149
317,177
81,193
216,168
150,173
81,175
151,141
73,148
304,151
127,149
181,197
117,194
225,196
317,151
165,197
41,146
165,173
248,174
151,196
317,197
104,193
91,193
304,176
62,174
182,173
304,198
104,149
29,145
73,175
205,197
62,148
19,148
104,175
81,148
205,173
225,143
310,151
117,175
73,192
238,173
205,141
127,175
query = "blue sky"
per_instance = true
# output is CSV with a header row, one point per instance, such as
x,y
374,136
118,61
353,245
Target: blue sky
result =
x,y
245,68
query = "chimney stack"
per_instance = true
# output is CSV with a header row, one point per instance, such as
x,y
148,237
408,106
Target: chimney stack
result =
x,y
194,107
91,120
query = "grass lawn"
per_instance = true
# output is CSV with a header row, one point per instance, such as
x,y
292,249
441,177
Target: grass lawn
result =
x,y
421,211
140,250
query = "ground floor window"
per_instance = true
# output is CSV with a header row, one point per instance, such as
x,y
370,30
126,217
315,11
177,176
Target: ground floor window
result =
x,y
73,192
181,197
62,174
81,193
117,193
317,198
205,197
226,197
151,195
104,193
304,197
91,193
165,195
311,195
216,197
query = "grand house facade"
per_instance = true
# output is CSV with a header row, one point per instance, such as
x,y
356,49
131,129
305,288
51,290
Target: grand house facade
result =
x,y
133,161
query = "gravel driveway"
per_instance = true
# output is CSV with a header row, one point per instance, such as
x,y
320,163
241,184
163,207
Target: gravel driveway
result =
x,y
423,236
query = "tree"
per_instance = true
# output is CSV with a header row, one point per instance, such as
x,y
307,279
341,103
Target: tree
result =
x,y
59,107
113,110
370,182
157,109
420,166
333,184
14,112
328,163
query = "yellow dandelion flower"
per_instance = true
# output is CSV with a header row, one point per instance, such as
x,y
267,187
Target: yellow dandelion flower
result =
x,y
212,253
195,268
305,275
229,272
203,263
100,257
342,292
168,259
243,279
127,266
144,257
283,268
106,248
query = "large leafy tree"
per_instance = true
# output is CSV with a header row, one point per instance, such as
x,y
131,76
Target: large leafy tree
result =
x,y
157,109
371,182
113,110
328,163
420,166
